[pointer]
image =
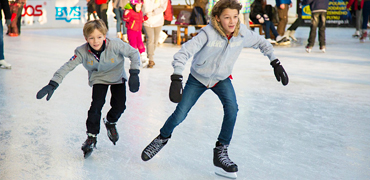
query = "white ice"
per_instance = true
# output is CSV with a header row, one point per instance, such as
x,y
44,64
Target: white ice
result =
x,y
317,127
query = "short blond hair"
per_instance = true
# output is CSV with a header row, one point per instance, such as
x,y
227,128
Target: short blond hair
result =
x,y
90,26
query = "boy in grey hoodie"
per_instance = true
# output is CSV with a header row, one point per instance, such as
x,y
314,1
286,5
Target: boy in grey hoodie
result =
x,y
103,58
215,50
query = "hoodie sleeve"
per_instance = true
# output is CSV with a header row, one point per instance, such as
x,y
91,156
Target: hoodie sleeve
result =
x,y
75,60
256,41
133,54
188,50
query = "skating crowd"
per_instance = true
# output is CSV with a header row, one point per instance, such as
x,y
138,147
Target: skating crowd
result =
x,y
229,23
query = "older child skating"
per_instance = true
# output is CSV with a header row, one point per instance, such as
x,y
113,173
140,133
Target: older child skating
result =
x,y
103,58
215,50
134,23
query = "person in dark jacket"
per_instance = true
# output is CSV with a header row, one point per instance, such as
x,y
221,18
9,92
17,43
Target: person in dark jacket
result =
x,y
4,6
259,15
318,20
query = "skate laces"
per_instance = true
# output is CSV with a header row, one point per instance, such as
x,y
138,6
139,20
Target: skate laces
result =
x,y
224,157
155,146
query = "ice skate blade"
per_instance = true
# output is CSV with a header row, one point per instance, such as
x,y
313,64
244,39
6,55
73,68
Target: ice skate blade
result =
x,y
4,67
87,153
219,171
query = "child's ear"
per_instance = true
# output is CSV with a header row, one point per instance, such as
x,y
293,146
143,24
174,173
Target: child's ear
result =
x,y
217,19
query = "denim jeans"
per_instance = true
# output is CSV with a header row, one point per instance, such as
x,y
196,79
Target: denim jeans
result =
x,y
270,26
318,19
365,14
1,40
119,14
117,102
192,91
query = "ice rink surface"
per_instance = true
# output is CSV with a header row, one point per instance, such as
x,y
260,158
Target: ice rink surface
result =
x,y
317,127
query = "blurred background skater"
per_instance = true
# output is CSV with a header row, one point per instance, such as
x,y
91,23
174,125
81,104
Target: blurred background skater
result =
x,y
318,20
101,7
365,18
356,10
118,9
154,10
244,12
4,6
90,9
283,9
134,22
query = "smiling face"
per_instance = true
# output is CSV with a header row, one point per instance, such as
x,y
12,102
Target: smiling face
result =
x,y
96,39
228,20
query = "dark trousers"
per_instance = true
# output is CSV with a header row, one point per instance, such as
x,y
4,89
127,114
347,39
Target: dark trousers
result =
x,y
101,10
318,20
296,24
283,19
117,102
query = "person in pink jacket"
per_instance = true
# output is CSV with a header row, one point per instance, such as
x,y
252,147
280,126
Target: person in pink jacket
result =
x,y
134,22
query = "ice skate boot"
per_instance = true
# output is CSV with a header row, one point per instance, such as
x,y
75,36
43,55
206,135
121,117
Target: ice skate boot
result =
x,y
111,131
323,49
291,35
356,35
89,145
154,147
119,35
363,36
144,59
125,38
5,65
224,166
308,49
151,64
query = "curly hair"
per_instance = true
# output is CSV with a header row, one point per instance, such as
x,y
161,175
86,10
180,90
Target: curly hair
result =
x,y
223,4
90,26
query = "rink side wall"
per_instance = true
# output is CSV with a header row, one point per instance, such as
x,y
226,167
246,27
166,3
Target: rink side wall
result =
x,y
57,14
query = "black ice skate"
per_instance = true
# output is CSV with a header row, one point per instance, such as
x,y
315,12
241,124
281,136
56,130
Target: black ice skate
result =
x,y
111,131
224,166
154,147
88,145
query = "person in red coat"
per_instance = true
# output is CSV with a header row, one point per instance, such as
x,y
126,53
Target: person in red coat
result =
x,y
134,23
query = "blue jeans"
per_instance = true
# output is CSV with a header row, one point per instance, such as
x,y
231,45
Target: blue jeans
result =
x,y
365,14
270,26
119,14
192,91
1,40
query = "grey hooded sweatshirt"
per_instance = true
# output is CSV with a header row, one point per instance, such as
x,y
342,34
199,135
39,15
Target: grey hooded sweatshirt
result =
x,y
110,67
215,55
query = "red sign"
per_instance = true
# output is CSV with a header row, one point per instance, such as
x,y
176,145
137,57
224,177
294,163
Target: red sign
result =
x,y
31,10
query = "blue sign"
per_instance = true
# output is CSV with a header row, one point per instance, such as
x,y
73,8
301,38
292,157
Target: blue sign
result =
x,y
69,13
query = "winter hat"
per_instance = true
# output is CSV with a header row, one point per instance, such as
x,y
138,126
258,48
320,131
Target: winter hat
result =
x,y
134,2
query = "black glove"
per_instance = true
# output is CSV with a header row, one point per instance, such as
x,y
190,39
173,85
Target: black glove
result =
x,y
279,72
133,81
48,89
176,88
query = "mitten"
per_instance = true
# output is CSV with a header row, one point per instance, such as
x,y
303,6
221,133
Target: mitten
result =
x,y
279,72
48,89
133,81
176,88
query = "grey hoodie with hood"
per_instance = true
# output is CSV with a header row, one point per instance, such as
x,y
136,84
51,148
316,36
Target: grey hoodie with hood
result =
x,y
215,55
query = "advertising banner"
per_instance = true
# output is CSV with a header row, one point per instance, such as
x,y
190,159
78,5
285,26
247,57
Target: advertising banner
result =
x,y
57,14
337,14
